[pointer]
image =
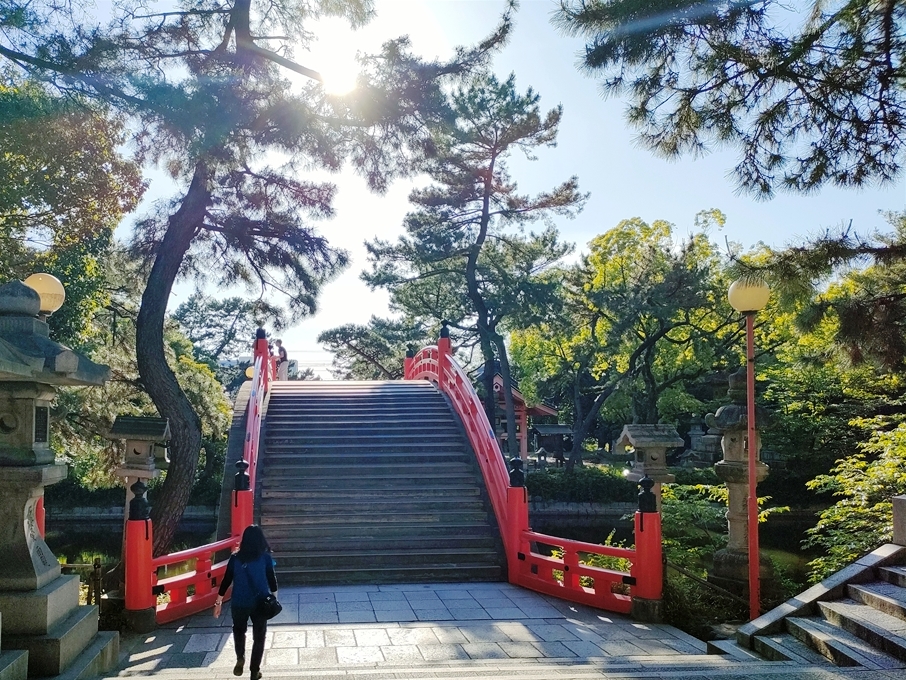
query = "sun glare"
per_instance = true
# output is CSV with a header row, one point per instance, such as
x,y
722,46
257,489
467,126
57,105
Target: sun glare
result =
x,y
333,55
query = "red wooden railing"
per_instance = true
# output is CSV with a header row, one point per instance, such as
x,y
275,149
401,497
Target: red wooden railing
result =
x,y
195,588
528,563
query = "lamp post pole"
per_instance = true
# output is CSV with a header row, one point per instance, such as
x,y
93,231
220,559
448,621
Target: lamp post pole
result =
x,y
747,297
752,449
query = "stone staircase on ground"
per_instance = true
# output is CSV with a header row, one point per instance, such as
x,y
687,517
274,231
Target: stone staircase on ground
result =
x,y
857,617
372,482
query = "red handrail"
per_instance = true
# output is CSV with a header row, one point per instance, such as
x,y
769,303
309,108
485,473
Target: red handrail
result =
x,y
565,577
428,364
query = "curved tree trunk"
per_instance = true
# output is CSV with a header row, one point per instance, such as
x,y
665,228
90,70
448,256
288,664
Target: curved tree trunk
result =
x,y
512,439
157,377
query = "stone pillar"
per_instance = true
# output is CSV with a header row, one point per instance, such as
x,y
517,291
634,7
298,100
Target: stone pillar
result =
x,y
27,564
730,569
899,520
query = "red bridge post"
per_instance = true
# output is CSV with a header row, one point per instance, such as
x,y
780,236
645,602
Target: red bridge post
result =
x,y
241,510
443,352
648,567
141,606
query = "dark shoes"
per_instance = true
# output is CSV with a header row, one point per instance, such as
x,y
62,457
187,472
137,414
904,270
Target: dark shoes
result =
x,y
256,675
239,667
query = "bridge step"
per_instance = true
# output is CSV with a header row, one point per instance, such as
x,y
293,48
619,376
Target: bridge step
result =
x,y
454,572
416,480
452,531
462,491
372,482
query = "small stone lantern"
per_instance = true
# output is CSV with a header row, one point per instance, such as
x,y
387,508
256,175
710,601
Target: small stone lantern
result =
x,y
146,441
146,448
650,444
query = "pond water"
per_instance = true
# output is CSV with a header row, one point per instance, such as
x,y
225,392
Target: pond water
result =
x,y
75,543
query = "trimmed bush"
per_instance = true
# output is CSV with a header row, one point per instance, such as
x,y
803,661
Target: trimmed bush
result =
x,y
583,485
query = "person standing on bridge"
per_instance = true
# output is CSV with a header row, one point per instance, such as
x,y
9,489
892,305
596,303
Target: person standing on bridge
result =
x,y
282,361
251,573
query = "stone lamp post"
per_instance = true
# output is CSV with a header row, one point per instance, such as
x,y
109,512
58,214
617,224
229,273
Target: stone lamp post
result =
x,y
650,443
41,612
731,564
146,448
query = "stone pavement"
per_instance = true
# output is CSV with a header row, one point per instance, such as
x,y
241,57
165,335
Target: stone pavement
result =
x,y
472,630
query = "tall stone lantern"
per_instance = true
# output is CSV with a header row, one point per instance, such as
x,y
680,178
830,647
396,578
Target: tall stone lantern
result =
x,y
41,613
731,563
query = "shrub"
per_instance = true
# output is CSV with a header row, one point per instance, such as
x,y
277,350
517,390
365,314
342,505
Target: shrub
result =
x,y
583,485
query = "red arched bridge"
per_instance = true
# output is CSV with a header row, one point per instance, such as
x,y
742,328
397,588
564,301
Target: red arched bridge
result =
x,y
390,481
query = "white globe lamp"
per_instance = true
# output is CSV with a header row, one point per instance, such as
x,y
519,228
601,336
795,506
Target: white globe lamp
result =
x,y
49,289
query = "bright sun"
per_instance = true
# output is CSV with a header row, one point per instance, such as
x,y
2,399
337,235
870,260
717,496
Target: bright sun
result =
x,y
333,55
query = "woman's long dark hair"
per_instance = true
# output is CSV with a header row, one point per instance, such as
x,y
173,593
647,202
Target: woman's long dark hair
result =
x,y
253,544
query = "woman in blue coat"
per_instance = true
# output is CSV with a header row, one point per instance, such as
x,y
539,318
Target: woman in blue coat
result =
x,y
251,573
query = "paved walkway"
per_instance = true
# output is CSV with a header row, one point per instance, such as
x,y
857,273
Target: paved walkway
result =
x,y
478,630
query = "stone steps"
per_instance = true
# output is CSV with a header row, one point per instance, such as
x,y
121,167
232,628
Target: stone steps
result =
x,y
854,618
398,572
14,665
372,482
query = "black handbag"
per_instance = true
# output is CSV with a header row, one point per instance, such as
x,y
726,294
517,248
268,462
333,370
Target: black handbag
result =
x,y
266,605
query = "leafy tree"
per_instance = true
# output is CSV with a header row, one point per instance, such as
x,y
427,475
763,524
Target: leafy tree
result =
x,y
639,321
372,352
862,518
65,187
810,95
205,86
868,312
218,329
817,403
464,252
84,415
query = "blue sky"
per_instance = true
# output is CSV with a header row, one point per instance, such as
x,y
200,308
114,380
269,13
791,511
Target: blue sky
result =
x,y
594,143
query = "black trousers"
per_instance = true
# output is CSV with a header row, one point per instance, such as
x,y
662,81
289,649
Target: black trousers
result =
x,y
241,616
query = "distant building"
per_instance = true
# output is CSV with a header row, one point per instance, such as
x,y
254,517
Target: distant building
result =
x,y
523,412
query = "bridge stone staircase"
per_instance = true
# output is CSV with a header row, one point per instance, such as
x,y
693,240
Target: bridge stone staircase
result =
x,y
372,482
857,617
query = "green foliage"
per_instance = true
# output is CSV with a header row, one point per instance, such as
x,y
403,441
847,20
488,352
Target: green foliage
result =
x,y
83,415
693,522
583,485
638,322
65,186
861,520
375,351
809,93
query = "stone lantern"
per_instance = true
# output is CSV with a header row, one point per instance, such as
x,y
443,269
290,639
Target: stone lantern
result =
x,y
41,612
731,563
146,449
650,444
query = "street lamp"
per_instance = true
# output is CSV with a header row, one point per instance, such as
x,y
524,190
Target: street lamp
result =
x,y
748,298
49,289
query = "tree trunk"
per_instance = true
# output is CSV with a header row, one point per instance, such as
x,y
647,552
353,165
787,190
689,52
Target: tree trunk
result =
x,y
583,424
512,440
157,377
